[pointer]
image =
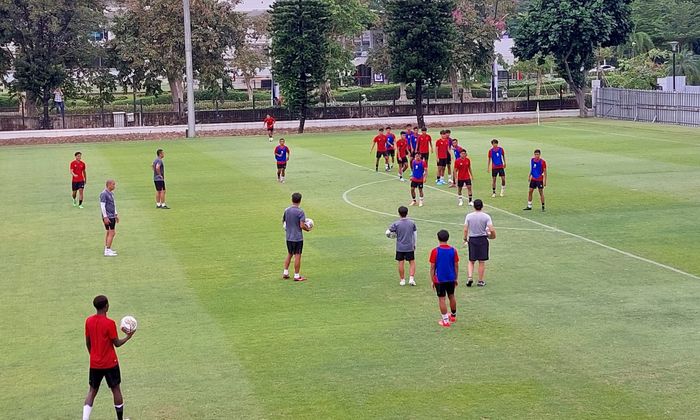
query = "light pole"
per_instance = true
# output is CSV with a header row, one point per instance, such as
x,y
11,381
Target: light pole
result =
x,y
674,48
188,69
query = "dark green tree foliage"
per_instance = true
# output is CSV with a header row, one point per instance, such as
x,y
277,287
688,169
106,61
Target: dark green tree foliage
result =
x,y
52,40
571,30
421,39
300,49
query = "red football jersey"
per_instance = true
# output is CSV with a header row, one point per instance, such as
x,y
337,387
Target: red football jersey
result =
x,y
402,148
101,331
77,167
270,122
462,167
424,142
380,140
443,148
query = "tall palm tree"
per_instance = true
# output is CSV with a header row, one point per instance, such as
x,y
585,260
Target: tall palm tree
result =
x,y
688,65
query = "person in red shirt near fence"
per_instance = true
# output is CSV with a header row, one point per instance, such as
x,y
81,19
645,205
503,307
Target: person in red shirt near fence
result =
x,y
269,122
79,178
100,339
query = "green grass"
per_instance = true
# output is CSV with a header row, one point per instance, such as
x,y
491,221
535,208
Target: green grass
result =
x,y
566,328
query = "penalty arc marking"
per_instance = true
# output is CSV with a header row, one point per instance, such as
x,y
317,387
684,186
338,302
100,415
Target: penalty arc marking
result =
x,y
542,225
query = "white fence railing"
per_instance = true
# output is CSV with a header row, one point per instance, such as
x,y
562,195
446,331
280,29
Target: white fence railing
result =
x,y
648,105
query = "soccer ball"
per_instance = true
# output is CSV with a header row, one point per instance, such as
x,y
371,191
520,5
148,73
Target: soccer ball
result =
x,y
128,324
309,223
389,234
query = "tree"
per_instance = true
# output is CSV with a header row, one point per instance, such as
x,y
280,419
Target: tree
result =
x,y
52,42
640,71
687,64
300,47
571,30
421,37
249,57
158,24
538,65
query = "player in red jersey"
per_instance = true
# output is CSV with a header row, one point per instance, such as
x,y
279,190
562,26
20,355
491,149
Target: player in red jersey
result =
x,y
443,153
463,173
455,149
402,151
497,164
79,178
380,141
282,154
450,140
425,144
269,122
100,339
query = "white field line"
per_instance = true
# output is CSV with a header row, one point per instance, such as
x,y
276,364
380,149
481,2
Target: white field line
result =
x,y
347,200
542,225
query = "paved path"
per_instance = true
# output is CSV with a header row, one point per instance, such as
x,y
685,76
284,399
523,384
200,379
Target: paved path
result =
x,y
454,120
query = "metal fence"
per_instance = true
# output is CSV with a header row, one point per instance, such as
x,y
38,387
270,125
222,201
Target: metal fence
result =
x,y
681,108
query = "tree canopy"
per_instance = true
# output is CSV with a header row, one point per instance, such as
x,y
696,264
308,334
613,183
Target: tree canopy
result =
x,y
300,51
570,31
420,38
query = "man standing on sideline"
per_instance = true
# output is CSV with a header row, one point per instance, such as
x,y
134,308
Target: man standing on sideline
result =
x,y
79,178
478,229
537,178
282,154
463,174
406,235
497,165
159,179
58,101
100,339
419,171
293,221
380,141
110,217
269,123
444,270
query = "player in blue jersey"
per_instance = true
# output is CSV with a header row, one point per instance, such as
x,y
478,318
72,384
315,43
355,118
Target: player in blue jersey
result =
x,y
390,146
419,170
412,140
444,269
537,178
282,154
497,166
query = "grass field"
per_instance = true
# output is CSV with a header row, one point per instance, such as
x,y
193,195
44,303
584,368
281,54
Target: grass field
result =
x,y
591,309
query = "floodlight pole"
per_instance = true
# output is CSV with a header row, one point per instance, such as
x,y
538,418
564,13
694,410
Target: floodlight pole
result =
x,y
188,70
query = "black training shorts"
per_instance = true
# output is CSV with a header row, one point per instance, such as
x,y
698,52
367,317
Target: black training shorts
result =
x,y
391,152
112,375
160,185
77,185
478,248
112,223
281,166
294,248
405,256
425,156
498,172
415,184
463,182
443,162
402,160
449,158
445,289
381,154
536,184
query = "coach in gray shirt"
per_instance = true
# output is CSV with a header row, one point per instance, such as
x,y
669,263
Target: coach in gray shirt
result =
x,y
406,233
293,221
478,229
110,217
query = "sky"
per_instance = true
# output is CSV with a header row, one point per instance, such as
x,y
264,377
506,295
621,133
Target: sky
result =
x,y
247,5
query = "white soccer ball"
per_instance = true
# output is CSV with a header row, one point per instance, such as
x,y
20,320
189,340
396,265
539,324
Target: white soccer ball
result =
x,y
309,223
389,234
128,324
